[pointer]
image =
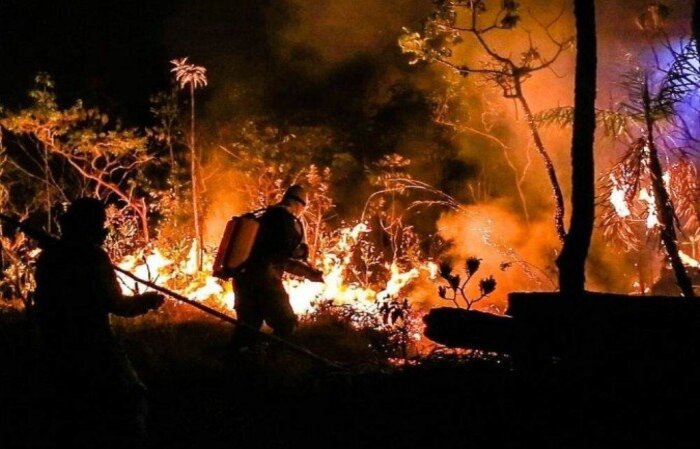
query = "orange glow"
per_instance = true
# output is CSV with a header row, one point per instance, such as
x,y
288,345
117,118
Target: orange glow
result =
x,y
183,277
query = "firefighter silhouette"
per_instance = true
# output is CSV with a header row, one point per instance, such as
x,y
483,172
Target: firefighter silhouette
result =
x,y
279,246
95,398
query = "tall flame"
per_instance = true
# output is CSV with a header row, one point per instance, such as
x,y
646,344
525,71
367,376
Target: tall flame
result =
x,y
652,218
618,198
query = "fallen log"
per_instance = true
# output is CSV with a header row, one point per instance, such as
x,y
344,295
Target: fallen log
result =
x,y
599,326
459,328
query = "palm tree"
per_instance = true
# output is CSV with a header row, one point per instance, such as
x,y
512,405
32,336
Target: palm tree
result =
x,y
193,77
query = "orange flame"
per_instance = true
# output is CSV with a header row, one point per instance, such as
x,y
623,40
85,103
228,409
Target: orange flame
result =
x,y
202,286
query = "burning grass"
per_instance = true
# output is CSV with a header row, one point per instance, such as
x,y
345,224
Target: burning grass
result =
x,y
364,303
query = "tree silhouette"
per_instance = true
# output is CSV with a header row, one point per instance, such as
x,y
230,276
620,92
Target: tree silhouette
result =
x,y
447,28
572,260
75,151
696,21
650,109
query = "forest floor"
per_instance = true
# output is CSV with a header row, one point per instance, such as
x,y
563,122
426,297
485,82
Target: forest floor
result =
x,y
200,398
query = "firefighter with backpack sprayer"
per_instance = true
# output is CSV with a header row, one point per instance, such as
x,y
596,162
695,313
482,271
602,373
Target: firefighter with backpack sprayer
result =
x,y
275,245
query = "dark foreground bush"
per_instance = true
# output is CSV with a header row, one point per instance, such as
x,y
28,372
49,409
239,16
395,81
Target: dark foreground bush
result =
x,y
274,399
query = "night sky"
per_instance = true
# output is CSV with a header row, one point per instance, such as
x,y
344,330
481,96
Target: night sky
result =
x,y
110,53
115,53
289,57
289,63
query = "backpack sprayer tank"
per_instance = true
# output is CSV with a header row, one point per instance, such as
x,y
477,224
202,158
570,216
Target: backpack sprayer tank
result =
x,y
236,245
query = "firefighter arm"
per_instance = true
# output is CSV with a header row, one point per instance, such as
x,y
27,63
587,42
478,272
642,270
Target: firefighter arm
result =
x,y
123,305
303,269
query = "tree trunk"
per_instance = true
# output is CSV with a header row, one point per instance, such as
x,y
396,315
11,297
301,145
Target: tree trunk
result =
x,y
572,260
195,184
696,22
47,187
664,206
548,164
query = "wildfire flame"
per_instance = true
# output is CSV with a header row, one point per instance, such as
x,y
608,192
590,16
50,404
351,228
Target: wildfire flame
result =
x,y
618,199
202,286
652,218
688,261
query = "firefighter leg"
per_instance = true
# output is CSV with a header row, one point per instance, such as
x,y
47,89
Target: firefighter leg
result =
x,y
250,313
279,314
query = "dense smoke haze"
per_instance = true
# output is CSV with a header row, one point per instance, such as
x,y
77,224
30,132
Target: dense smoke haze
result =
x,y
336,66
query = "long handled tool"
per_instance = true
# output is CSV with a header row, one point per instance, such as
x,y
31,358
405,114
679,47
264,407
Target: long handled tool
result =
x,y
211,311
46,239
